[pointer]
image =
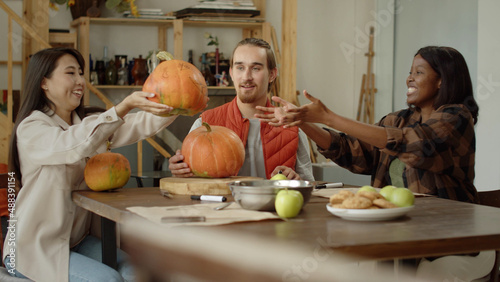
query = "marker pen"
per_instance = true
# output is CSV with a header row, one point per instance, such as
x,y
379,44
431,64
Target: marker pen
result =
x,y
209,198
330,185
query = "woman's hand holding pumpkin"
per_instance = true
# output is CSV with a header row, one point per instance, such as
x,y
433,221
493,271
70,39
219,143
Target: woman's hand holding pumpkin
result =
x,y
138,99
178,167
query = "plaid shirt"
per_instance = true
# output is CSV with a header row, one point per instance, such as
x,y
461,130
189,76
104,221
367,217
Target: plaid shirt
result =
x,y
438,154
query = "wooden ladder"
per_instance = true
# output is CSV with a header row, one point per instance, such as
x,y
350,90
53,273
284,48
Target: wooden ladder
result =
x,y
367,95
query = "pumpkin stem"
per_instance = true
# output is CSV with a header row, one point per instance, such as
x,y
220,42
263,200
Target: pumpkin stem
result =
x,y
164,56
108,146
209,129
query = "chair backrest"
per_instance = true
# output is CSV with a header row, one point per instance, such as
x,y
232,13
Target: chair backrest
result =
x,y
490,198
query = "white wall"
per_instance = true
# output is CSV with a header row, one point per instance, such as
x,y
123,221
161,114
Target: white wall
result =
x,y
488,96
332,37
429,22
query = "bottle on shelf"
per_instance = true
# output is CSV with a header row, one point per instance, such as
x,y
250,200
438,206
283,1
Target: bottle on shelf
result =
x,y
111,73
122,73
105,56
205,71
94,80
101,72
130,68
190,60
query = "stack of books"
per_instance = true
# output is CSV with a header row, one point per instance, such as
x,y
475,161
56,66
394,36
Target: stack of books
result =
x,y
149,14
220,8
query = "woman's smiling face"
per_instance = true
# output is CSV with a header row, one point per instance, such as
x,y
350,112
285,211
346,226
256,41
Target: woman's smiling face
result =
x,y
423,84
65,86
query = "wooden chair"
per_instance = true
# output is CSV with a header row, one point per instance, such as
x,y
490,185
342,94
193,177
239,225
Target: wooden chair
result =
x,y
492,199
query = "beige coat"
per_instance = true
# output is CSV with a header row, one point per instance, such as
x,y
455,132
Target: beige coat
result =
x,y
52,157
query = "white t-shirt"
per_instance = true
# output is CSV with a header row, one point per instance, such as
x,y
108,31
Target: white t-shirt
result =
x,y
254,157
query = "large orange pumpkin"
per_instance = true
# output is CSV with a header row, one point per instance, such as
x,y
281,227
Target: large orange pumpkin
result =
x,y
107,171
213,151
180,85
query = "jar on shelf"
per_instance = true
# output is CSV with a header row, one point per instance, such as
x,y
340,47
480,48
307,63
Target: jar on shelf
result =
x,y
118,60
140,70
122,73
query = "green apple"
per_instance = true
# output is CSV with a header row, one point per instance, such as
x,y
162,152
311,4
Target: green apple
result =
x,y
368,188
279,176
288,203
402,197
387,192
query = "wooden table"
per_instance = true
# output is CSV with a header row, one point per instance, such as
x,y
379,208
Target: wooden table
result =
x,y
435,227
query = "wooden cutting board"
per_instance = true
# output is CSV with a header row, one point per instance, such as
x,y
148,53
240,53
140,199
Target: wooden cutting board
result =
x,y
200,186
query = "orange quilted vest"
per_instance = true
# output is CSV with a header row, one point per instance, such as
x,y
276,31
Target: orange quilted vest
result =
x,y
278,144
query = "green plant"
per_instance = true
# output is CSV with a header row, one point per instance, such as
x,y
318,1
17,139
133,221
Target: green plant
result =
x,y
213,40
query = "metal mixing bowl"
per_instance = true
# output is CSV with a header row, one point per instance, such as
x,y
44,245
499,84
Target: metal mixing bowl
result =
x,y
260,195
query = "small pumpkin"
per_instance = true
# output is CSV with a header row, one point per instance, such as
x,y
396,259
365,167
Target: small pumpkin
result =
x,y
107,171
178,84
213,151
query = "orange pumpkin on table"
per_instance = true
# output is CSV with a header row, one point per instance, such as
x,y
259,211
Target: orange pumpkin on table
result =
x,y
107,171
178,84
213,151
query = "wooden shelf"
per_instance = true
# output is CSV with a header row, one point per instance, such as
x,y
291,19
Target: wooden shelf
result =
x,y
212,90
82,26
120,21
223,24
118,86
140,86
154,22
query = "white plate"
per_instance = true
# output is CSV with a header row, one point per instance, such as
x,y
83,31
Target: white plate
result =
x,y
369,215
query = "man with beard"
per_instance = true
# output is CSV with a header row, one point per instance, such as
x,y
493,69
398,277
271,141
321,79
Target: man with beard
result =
x,y
268,149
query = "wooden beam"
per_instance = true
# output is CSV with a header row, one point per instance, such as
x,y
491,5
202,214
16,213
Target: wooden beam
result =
x,y
162,38
83,26
99,94
288,69
158,147
43,42
261,6
27,14
40,23
13,62
10,99
139,157
178,38
266,32
63,38
276,47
